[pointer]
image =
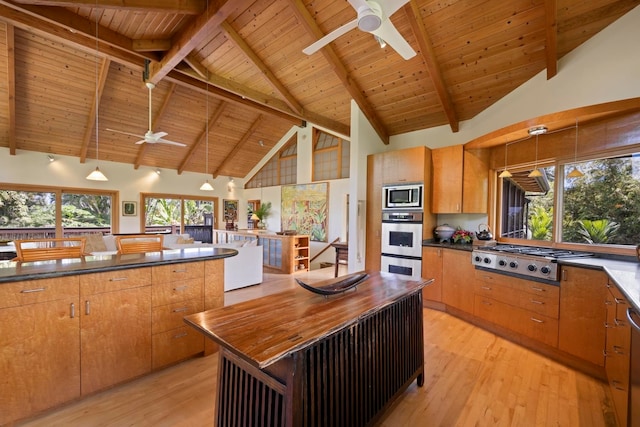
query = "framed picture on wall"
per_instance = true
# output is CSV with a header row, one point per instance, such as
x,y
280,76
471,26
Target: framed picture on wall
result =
x,y
129,208
230,210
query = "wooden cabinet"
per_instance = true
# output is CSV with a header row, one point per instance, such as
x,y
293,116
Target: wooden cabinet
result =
x,y
617,351
582,314
115,331
392,167
526,307
457,279
432,269
213,294
177,291
460,182
39,346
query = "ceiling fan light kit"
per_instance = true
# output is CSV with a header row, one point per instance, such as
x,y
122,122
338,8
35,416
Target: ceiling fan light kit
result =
x,y
373,18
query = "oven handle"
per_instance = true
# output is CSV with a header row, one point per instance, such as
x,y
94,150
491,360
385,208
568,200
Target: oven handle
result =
x,y
630,314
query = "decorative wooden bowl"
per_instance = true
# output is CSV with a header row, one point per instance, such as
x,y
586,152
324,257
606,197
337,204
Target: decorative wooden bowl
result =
x,y
341,284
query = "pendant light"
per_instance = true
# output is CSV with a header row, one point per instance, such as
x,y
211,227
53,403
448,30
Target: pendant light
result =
x,y
575,173
505,173
206,186
535,173
97,175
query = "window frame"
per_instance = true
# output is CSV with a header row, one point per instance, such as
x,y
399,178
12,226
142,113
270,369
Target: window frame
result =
x,y
182,198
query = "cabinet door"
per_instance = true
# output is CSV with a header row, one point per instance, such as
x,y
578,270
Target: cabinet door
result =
x,y
457,279
213,294
374,212
583,313
475,183
39,357
432,269
446,184
115,337
403,166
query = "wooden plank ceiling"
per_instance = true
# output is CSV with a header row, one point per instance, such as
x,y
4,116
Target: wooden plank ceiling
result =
x,y
55,74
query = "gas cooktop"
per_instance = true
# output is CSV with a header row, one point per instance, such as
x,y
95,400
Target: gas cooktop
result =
x,y
528,261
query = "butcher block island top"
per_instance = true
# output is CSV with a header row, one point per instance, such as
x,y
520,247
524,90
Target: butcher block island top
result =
x,y
267,329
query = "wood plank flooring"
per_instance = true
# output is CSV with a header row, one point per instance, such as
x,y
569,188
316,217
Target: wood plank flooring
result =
x,y
472,378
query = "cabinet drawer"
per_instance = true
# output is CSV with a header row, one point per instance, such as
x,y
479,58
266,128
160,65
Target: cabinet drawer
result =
x,y
36,291
108,281
167,317
168,293
542,302
177,272
547,305
533,325
175,345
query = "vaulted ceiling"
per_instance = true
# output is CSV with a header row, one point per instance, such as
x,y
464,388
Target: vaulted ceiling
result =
x,y
60,84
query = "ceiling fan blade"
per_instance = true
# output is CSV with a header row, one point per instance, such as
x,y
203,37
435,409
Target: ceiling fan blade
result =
x,y
389,7
314,47
142,141
124,133
166,141
358,4
157,135
393,38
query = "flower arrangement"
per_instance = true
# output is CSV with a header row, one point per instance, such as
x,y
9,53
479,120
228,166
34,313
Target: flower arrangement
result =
x,y
462,236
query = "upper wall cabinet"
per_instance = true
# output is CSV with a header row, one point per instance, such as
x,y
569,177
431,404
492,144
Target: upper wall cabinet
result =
x,y
460,182
403,166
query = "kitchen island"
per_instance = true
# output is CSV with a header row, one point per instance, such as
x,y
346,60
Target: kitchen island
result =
x,y
72,327
299,358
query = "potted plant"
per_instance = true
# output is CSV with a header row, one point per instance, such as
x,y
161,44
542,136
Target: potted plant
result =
x,y
262,212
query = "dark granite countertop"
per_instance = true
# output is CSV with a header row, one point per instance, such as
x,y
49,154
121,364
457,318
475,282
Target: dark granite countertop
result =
x,y
456,246
16,271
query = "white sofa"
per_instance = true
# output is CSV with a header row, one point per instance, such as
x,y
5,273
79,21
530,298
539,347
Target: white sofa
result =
x,y
244,269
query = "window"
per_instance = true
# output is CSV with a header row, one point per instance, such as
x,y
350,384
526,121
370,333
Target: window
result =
x,y
599,208
330,157
42,212
281,169
177,214
602,207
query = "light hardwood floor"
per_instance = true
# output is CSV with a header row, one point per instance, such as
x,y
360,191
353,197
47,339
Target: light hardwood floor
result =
x,y
472,378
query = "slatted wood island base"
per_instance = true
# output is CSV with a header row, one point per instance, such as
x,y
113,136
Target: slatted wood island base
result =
x,y
300,359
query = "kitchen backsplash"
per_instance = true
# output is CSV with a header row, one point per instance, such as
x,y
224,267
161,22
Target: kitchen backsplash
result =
x,y
465,221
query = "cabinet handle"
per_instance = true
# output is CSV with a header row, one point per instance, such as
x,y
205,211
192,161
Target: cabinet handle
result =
x,y
620,300
179,310
184,334
533,301
607,325
537,289
485,302
607,302
618,322
30,291
87,307
118,279
537,320
180,288
564,275
72,310
487,277
184,270
486,288
617,386
605,353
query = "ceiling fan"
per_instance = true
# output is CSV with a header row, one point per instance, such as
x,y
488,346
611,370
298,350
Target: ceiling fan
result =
x,y
151,137
373,17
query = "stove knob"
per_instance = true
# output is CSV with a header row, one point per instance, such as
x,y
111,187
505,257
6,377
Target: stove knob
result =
x,y
545,270
502,263
513,264
532,267
478,258
487,260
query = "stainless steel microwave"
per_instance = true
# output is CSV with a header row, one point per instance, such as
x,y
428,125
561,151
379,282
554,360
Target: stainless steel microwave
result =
x,y
405,196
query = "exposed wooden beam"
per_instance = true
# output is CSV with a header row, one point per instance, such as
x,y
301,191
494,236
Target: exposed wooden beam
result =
x,y
187,7
430,60
192,61
192,35
238,145
11,86
212,121
255,59
340,71
144,45
155,122
72,30
551,26
103,72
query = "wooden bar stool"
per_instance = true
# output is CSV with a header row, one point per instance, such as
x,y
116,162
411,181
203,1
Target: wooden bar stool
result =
x,y
49,249
139,243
